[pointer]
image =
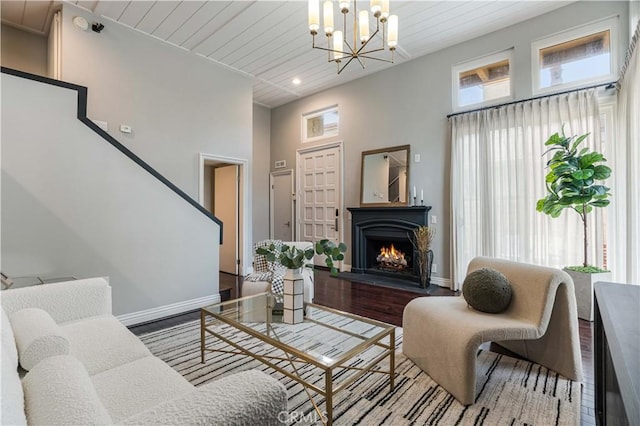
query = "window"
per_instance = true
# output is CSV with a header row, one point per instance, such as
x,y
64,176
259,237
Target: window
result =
x,y
320,124
483,81
574,58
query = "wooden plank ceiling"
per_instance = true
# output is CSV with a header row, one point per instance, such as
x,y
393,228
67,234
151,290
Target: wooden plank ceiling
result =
x,y
270,41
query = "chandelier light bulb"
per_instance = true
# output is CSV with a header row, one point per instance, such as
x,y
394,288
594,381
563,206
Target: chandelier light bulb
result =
x,y
314,16
344,6
376,7
338,42
384,11
328,17
392,35
363,20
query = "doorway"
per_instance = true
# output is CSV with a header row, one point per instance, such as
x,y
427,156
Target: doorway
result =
x,y
319,204
223,192
281,206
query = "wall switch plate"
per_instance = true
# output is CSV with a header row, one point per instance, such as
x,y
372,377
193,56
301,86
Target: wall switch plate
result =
x,y
434,220
416,158
280,164
125,128
434,268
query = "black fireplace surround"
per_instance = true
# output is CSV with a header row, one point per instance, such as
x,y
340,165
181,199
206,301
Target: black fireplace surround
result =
x,y
372,227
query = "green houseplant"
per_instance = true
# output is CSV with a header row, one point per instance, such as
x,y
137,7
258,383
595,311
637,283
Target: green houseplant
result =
x,y
292,257
574,181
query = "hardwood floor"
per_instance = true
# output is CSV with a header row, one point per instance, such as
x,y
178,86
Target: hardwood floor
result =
x,y
386,304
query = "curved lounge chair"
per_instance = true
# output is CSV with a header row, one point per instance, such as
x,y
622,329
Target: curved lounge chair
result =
x,y
442,334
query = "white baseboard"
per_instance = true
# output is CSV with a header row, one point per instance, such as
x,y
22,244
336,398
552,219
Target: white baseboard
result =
x,y
442,282
167,310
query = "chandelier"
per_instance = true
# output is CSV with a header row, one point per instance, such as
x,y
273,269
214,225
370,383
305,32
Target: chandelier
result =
x,y
339,48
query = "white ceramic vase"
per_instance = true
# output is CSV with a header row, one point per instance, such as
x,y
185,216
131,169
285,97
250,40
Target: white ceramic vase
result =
x,y
293,296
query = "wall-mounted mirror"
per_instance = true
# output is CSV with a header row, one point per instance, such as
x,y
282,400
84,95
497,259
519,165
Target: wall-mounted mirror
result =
x,y
385,177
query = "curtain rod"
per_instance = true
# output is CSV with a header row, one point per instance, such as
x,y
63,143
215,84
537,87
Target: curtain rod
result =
x,y
610,85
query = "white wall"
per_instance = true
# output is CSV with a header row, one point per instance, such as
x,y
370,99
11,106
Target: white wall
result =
x,y
260,170
74,205
22,50
408,104
177,103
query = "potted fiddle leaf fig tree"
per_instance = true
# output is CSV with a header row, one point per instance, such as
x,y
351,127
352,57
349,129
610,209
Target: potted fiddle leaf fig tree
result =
x,y
575,182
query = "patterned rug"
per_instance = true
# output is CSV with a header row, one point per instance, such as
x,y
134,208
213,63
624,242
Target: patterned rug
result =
x,y
509,391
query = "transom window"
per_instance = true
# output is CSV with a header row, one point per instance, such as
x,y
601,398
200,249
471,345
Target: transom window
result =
x,y
574,58
483,81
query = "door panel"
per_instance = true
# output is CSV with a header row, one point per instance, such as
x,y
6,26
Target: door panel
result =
x,y
225,204
282,206
320,201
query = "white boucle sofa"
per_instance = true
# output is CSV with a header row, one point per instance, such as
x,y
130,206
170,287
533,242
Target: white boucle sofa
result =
x,y
85,367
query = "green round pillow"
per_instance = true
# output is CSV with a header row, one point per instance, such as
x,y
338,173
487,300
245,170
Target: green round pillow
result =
x,y
487,290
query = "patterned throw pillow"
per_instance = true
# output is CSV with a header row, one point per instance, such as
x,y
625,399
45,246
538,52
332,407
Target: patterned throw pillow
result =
x,y
268,271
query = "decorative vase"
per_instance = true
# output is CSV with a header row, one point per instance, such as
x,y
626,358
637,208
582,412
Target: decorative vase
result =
x,y
293,296
583,287
425,262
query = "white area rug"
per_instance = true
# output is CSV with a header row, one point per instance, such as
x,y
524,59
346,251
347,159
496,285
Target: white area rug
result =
x,y
509,391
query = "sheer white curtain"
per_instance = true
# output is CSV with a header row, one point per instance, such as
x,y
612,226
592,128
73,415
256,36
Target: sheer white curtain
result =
x,y
624,226
498,174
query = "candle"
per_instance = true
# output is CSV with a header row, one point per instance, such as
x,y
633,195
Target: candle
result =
x,y
414,192
421,195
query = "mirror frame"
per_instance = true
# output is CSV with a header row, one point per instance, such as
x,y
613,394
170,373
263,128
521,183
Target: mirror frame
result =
x,y
378,151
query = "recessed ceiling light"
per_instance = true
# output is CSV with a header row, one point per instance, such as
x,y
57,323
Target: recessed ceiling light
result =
x,y
296,81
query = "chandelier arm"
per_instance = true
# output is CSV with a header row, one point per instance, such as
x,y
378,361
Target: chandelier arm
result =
x,y
380,49
332,50
345,65
367,42
376,59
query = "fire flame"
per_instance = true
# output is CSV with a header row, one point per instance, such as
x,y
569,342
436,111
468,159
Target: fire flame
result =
x,y
391,253
390,257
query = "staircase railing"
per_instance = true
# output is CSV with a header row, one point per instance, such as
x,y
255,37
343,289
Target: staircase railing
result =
x,y
82,116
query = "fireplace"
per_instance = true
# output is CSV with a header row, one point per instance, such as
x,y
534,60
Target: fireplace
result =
x,y
375,228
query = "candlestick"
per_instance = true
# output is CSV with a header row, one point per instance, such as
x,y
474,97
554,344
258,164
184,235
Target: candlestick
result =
x,y
421,196
414,192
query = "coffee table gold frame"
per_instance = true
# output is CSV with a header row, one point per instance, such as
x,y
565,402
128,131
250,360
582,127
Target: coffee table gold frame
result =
x,y
294,355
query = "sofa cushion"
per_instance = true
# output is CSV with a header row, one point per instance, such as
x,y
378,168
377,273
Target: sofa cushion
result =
x,y
8,341
487,290
102,342
11,395
137,386
58,391
248,398
37,336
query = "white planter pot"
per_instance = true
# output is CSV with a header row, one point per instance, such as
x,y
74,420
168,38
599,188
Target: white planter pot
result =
x,y
583,284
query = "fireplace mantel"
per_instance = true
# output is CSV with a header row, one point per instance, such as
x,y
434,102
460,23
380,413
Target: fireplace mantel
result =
x,y
368,223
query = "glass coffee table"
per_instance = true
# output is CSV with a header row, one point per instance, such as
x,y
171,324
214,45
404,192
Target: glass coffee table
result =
x,y
327,339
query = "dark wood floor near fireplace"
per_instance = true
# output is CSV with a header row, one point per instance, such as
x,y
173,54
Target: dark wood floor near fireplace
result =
x,y
386,304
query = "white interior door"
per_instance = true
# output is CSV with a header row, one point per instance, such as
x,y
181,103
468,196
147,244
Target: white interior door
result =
x,y
281,205
225,208
319,174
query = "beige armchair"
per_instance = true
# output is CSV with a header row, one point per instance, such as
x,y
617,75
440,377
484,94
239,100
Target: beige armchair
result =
x,y
442,334
263,275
